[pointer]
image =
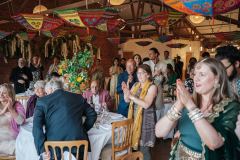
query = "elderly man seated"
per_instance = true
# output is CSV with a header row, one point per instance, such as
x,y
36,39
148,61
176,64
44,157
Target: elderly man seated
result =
x,y
39,92
61,113
98,97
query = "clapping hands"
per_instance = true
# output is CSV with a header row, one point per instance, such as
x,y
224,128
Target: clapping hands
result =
x,y
183,95
125,89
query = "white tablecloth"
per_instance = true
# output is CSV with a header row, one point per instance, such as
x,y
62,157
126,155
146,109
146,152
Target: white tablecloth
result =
x,y
163,111
23,99
98,136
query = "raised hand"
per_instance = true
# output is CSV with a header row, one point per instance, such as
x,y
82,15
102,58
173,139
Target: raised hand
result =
x,y
124,86
183,95
21,81
130,78
46,156
24,76
9,104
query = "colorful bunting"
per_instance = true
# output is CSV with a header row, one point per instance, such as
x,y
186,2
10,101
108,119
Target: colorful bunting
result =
x,y
27,35
4,34
71,16
92,18
37,22
229,36
162,18
203,7
173,17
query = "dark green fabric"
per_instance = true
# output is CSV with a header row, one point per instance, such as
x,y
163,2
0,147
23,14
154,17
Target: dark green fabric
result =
x,y
225,124
189,134
172,79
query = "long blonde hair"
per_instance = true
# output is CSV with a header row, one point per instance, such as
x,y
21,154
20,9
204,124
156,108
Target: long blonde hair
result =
x,y
10,90
222,89
11,94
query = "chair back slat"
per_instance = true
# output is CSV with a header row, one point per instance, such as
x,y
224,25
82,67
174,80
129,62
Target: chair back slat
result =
x,y
69,145
121,136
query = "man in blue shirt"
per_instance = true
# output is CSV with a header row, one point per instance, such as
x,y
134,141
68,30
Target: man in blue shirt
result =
x,y
129,77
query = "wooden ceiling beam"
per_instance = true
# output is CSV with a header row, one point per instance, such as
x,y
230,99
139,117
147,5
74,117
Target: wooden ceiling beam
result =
x,y
132,9
238,17
227,19
218,32
193,28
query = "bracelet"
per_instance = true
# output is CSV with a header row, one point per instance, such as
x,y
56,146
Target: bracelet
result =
x,y
195,115
173,114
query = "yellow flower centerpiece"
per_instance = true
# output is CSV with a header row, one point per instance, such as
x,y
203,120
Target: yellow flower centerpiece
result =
x,y
76,70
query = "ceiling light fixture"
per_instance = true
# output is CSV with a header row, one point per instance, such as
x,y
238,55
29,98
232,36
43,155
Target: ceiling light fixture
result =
x,y
196,19
116,2
39,8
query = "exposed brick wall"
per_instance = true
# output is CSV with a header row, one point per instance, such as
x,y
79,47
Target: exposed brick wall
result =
x,y
108,52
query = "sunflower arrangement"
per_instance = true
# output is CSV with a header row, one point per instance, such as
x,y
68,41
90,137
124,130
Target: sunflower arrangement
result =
x,y
76,69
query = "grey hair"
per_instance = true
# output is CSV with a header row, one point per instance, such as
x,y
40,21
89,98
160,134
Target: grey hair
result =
x,y
54,84
40,84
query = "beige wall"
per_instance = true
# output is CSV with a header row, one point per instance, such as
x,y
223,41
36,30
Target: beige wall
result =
x,y
131,46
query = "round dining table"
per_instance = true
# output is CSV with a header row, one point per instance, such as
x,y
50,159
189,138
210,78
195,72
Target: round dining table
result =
x,y
99,136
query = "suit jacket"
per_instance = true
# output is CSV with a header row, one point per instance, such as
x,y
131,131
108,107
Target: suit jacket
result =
x,y
17,75
104,96
123,106
61,113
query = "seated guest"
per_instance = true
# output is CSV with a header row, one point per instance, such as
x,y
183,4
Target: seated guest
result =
x,y
21,76
61,113
98,96
12,115
39,92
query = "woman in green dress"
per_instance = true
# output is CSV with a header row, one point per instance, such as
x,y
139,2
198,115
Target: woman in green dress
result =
x,y
207,120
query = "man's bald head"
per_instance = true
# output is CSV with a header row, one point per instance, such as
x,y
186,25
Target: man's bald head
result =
x,y
130,66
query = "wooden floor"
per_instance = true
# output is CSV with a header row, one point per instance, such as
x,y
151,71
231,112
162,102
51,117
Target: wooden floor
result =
x,y
161,150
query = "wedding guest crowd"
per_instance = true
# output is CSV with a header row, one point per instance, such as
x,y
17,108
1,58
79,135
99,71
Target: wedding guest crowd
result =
x,y
206,111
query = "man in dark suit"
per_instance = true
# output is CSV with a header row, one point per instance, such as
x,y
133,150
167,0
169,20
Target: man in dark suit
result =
x,y
21,76
129,77
61,113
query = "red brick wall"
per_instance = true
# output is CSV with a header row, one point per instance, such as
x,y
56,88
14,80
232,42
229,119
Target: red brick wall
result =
x,y
108,52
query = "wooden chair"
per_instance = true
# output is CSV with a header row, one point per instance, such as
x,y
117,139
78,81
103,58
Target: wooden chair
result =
x,y
7,157
69,145
133,156
121,138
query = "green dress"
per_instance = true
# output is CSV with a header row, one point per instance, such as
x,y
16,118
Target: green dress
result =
x,y
224,120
